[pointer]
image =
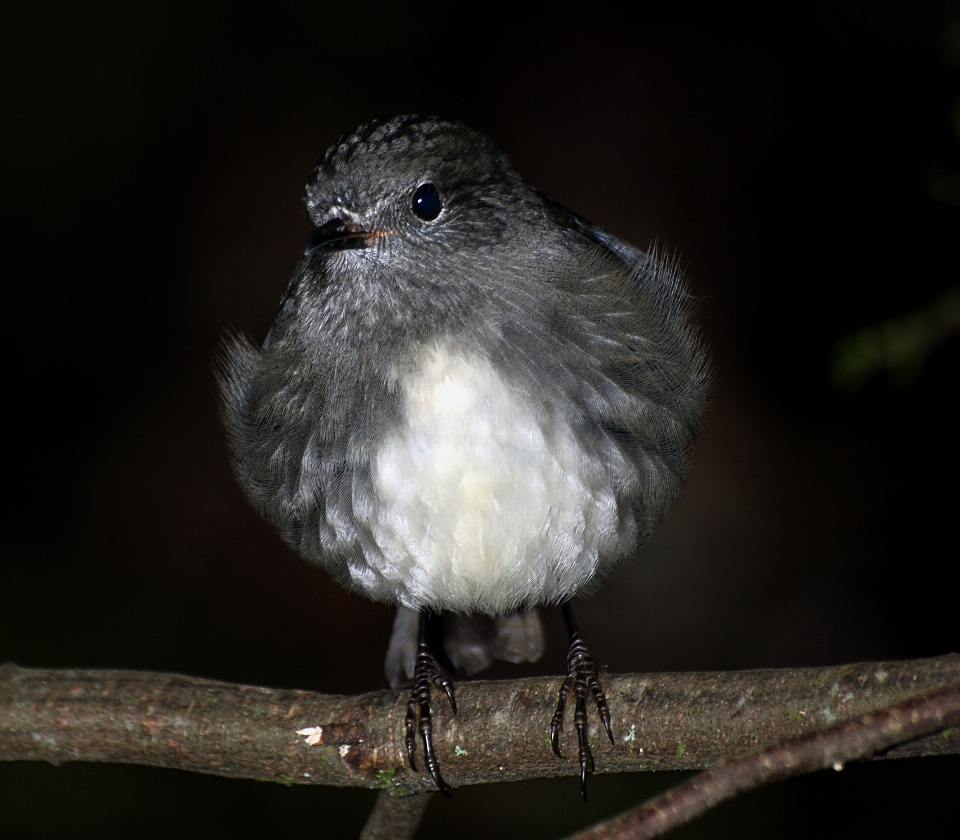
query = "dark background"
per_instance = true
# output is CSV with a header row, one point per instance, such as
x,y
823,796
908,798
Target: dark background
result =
x,y
802,163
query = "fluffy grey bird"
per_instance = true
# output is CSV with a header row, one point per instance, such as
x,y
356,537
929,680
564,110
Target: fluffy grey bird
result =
x,y
472,402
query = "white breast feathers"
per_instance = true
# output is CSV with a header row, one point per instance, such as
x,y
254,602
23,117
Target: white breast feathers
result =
x,y
483,505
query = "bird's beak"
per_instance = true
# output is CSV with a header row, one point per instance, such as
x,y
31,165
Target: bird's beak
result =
x,y
339,235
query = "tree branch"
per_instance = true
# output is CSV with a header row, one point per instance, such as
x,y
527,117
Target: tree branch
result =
x,y
661,722
395,817
851,740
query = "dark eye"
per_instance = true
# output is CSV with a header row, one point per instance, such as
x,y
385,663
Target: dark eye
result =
x,y
426,202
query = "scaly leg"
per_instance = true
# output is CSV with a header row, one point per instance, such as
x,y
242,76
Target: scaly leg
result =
x,y
582,679
426,671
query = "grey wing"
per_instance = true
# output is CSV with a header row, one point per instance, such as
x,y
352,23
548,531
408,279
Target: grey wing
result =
x,y
307,489
627,252
649,388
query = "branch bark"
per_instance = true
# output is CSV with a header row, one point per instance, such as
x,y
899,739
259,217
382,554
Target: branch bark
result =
x,y
395,817
661,722
852,740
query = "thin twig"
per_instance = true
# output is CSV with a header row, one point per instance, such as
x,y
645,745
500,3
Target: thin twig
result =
x,y
395,817
852,740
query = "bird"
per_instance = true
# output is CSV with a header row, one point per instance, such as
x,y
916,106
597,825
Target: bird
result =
x,y
472,403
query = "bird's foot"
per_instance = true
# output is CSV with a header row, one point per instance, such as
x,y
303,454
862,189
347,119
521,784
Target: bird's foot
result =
x,y
426,671
582,679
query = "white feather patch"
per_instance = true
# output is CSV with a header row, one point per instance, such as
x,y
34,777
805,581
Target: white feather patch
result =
x,y
483,505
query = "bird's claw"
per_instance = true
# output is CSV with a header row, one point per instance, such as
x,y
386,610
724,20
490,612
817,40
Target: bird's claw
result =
x,y
581,679
426,671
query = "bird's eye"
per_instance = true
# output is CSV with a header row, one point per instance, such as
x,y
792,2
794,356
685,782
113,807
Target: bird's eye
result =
x,y
426,202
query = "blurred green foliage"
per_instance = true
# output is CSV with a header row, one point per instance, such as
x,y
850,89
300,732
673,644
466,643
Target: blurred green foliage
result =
x,y
897,346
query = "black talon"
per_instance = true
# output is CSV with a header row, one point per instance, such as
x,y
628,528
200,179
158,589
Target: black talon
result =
x,y
583,680
556,725
426,671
